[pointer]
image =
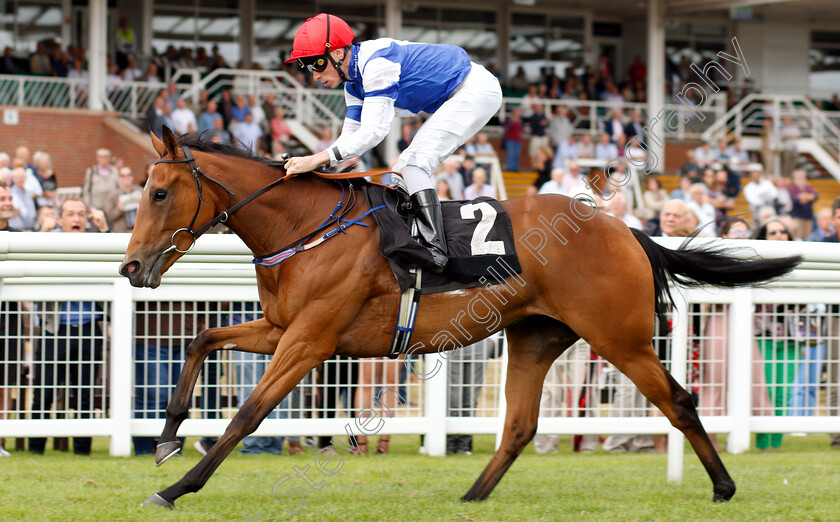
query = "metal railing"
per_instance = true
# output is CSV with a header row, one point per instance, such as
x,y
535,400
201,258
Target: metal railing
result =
x,y
747,118
591,116
39,277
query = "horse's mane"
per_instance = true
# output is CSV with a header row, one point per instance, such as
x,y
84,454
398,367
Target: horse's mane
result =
x,y
194,141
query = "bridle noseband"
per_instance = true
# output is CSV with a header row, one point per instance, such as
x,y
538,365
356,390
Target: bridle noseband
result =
x,y
222,216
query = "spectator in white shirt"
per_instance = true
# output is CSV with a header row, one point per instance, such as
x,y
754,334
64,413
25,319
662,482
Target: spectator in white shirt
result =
x,y
183,118
586,149
483,147
112,78
760,192
479,185
699,203
617,207
23,201
132,73
605,149
528,101
789,134
449,172
256,110
555,184
560,127
704,155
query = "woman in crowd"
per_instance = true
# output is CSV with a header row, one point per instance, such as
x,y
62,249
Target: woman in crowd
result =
x,y
443,191
714,351
775,332
280,131
654,197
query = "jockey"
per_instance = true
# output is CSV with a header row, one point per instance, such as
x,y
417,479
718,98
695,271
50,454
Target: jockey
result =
x,y
385,78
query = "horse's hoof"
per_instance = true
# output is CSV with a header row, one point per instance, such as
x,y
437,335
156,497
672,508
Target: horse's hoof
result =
x,y
725,495
157,500
166,450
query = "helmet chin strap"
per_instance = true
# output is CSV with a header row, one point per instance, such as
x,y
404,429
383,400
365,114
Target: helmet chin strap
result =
x,y
338,65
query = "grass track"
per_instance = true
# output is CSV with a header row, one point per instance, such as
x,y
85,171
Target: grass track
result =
x,y
408,486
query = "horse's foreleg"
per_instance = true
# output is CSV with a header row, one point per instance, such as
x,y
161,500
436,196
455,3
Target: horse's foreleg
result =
x,y
533,346
255,336
654,381
295,356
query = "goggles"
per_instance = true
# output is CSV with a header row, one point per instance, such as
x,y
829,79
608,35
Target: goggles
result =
x,y
313,63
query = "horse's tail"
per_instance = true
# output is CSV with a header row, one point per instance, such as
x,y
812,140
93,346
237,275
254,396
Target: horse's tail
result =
x,y
705,265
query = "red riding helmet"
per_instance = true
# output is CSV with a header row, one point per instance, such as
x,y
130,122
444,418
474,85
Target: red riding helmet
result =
x,y
319,35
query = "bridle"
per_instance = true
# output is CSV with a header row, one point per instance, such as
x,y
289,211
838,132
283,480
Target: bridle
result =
x,y
222,216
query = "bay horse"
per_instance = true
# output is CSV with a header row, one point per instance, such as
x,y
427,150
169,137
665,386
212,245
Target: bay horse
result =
x,y
592,279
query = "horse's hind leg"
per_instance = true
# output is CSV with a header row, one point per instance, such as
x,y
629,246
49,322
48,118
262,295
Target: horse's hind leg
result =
x,y
533,345
255,336
653,380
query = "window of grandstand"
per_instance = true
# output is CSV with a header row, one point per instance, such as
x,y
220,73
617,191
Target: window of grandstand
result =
x,y
825,63
23,25
539,41
194,25
687,43
474,30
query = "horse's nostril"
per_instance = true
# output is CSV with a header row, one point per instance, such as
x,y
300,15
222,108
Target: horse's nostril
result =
x,y
130,268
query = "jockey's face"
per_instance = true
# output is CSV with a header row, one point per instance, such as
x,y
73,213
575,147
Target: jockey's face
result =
x,y
329,76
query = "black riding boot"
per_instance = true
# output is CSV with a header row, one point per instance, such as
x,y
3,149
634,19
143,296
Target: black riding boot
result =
x,y
430,226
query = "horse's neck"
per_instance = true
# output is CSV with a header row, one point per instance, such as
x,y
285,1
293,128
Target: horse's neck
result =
x,y
284,213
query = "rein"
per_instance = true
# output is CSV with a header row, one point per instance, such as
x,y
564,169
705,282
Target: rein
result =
x,y
287,251
222,216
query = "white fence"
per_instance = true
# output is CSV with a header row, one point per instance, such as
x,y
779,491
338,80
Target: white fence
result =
x,y
215,285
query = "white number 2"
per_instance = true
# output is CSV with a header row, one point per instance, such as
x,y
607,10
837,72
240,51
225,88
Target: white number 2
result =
x,y
478,244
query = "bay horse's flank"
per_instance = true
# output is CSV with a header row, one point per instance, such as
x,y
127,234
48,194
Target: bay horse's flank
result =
x,y
603,284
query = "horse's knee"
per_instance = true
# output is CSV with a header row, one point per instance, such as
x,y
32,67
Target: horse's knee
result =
x,y
200,345
685,412
246,421
521,434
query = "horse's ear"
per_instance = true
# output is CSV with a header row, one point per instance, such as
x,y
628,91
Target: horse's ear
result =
x,y
170,142
160,148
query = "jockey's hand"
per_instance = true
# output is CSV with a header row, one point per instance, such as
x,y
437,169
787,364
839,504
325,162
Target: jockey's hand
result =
x,y
303,164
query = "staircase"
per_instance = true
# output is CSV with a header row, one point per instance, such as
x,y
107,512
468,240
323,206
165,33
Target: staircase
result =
x,y
820,143
517,183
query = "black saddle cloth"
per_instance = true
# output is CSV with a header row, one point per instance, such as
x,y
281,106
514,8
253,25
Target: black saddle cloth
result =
x,y
479,236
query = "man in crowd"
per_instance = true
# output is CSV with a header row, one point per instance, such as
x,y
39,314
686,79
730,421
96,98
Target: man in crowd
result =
x,y
70,353
617,207
219,134
802,195
479,186
121,210
24,201
450,174
832,349
183,118
10,356
671,219
560,127
101,181
248,134
207,119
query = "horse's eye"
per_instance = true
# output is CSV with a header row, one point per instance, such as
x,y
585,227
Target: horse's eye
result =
x,y
158,196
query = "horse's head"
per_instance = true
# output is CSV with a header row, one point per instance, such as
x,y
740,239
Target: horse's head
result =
x,y
170,210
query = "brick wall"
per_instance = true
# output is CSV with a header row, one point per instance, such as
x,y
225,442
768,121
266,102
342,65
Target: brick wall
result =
x,y
71,137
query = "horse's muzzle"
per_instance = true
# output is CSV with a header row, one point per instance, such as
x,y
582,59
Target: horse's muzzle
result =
x,y
140,274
